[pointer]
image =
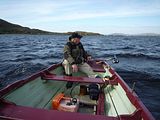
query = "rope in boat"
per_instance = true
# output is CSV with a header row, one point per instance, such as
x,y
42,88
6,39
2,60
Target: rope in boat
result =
x,y
73,88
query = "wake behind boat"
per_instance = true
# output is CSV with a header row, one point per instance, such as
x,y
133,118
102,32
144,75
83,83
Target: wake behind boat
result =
x,y
43,96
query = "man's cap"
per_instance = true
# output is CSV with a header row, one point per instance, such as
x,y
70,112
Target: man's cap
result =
x,y
75,35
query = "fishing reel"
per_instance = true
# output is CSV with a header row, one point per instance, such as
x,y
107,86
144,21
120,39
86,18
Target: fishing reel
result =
x,y
73,101
114,59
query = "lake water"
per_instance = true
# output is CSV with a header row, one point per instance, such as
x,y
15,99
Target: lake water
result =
x,y
139,56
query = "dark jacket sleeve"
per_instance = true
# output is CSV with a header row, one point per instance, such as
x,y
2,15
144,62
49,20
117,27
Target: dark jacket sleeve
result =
x,y
67,54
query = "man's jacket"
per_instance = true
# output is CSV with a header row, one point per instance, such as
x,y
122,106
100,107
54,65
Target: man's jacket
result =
x,y
74,53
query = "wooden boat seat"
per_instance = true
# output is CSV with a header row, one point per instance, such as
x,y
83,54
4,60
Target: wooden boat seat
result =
x,y
49,76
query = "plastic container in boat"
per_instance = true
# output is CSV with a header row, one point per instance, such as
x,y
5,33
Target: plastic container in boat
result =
x,y
62,103
68,106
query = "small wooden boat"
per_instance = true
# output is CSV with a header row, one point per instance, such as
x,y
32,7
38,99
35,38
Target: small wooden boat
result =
x,y
44,96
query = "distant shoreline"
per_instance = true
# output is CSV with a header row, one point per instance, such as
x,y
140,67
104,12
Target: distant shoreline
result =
x,y
109,35
10,28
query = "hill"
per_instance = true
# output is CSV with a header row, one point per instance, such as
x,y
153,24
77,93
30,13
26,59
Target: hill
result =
x,y
10,28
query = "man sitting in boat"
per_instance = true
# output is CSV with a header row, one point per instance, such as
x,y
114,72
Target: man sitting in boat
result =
x,y
75,58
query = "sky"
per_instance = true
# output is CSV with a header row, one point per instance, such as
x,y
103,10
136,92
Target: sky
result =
x,y
102,16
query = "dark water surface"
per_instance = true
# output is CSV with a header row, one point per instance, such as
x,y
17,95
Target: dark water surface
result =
x,y
23,55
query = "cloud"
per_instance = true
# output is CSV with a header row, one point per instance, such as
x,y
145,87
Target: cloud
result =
x,y
37,13
72,10
83,15
69,12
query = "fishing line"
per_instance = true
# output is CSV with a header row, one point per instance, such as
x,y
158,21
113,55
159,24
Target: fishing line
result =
x,y
113,104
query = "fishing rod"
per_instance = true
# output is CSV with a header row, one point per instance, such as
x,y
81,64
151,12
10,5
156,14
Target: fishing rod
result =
x,y
114,60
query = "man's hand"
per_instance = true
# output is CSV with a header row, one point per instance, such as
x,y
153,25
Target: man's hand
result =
x,y
75,68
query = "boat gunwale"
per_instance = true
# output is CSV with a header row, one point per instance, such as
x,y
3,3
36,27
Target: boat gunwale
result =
x,y
42,114
133,97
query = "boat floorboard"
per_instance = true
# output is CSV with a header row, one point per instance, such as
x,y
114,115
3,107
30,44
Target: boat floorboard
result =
x,y
35,93
117,102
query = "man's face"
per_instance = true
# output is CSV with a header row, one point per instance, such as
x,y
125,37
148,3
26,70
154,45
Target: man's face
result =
x,y
76,40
